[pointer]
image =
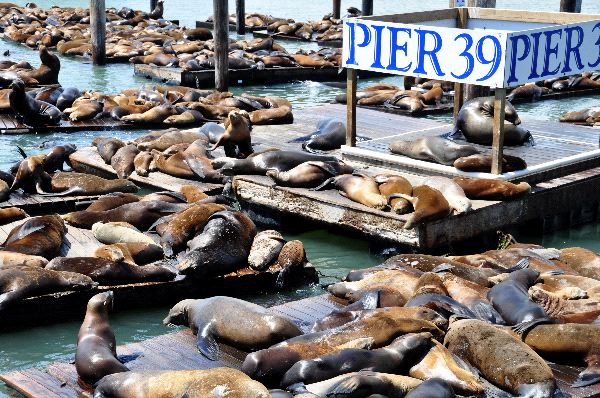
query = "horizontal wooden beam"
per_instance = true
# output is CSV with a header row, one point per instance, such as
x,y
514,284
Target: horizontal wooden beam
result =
x,y
416,17
530,16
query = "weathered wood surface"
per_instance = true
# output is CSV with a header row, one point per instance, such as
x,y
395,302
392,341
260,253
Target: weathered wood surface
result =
x,y
231,26
177,351
38,204
221,44
87,160
279,36
241,77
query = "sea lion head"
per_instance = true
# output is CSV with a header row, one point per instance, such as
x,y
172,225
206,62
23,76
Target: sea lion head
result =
x,y
101,302
18,85
178,315
510,114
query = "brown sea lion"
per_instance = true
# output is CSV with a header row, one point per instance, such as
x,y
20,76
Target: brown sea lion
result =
x,y
112,200
391,184
483,163
4,191
472,296
396,357
37,236
309,174
57,157
122,160
236,137
585,262
31,176
433,149
429,204
279,115
119,232
181,383
265,249
154,115
501,359
20,282
192,193
291,259
359,188
269,365
136,253
10,214
168,138
88,184
361,384
579,116
529,91
107,147
109,273
218,319
96,354
434,95
141,163
488,189
158,59
452,192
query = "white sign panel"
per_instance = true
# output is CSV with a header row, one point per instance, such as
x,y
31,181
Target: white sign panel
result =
x,y
484,57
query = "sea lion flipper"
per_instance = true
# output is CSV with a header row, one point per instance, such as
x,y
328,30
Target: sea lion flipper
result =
x,y
325,167
522,264
442,268
362,343
129,357
591,374
324,185
195,166
22,152
207,345
370,300
524,327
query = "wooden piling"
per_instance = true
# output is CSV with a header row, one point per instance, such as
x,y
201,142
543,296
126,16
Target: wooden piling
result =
x,y
98,31
153,4
221,21
570,5
240,13
367,7
337,8
351,107
498,138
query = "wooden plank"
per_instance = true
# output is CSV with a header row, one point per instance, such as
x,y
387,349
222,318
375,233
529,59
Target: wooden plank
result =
x,y
498,132
416,17
351,107
530,16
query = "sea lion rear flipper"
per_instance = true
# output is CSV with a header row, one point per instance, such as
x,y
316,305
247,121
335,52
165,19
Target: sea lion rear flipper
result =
x,y
554,272
524,327
22,152
195,166
207,345
486,312
325,167
369,301
283,275
442,268
522,264
324,185
68,192
591,374
129,357
363,379
161,220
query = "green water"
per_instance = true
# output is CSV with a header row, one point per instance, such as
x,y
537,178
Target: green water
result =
x,y
331,253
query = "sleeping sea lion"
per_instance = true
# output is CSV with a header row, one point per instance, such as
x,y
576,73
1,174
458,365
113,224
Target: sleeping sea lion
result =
x,y
37,236
136,253
112,200
483,163
107,147
309,174
265,248
10,214
429,204
71,183
330,134
359,188
452,192
490,189
432,149
389,186
122,160
363,384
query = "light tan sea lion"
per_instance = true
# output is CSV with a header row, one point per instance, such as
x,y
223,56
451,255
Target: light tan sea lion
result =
x,y
109,233
488,189
585,262
359,188
391,184
266,246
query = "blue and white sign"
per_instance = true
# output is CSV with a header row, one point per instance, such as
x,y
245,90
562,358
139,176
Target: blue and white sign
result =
x,y
486,57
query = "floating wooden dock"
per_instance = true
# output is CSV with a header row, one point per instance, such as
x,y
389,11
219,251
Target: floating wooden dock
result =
x,y
232,26
263,33
177,351
241,77
87,160
38,204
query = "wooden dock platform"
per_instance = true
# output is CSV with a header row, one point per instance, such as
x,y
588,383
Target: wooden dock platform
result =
x,y
38,204
263,33
232,26
177,351
241,77
87,160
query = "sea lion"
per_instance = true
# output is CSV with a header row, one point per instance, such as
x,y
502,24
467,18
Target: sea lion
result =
x,y
136,253
501,359
432,149
585,262
236,138
96,354
452,192
192,193
529,91
141,163
67,97
122,160
21,282
511,299
434,95
37,236
109,233
109,273
579,116
154,115
31,111
107,147
473,296
309,174
265,249
181,227
71,183
222,247
218,319
396,357
279,115
389,186
291,259
475,121
382,327
112,200
181,383
330,134
562,310
169,138
4,191
429,204
359,188
31,176
12,259
437,388
489,189
483,163
140,214
10,214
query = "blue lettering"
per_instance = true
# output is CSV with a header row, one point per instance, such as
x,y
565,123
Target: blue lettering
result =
x,y
513,56
534,57
395,47
549,51
352,45
593,65
495,61
470,59
377,56
422,52
570,49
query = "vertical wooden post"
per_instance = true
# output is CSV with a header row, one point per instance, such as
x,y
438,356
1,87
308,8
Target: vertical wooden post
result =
x,y
498,139
153,4
240,11
98,31
351,107
367,7
570,5
459,98
337,9
221,36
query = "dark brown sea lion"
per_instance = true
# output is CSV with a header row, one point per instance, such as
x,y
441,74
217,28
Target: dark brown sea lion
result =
x,y
359,188
433,149
488,189
291,259
236,137
429,204
374,330
21,282
181,383
483,163
66,98
10,214
280,115
4,191
330,134
360,384
112,200
222,247
96,354
136,253
529,91
437,388
219,318
192,193
31,176
122,160
37,236
107,147
31,111
183,226
309,174
88,184
108,273
392,184
501,359
48,71
58,156
397,357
